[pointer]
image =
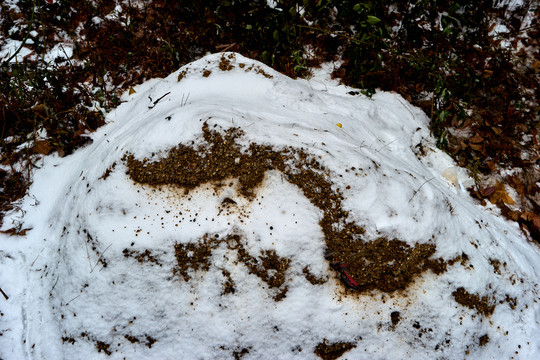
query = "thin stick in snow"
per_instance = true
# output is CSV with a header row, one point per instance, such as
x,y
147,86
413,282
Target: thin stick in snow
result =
x,y
417,190
386,145
33,262
406,107
56,282
3,293
182,102
72,299
154,103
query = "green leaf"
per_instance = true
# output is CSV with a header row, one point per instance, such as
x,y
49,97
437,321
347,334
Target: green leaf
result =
x,y
292,11
357,7
373,20
276,35
249,27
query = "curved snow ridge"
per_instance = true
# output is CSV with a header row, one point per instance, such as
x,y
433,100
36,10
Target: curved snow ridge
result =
x,y
119,269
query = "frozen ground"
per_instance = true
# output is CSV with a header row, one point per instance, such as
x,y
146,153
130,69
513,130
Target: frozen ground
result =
x,y
94,277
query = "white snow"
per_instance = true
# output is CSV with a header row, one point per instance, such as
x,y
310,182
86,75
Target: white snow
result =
x,y
10,47
58,288
59,51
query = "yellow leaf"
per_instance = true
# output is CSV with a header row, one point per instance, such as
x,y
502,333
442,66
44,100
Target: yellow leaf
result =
x,y
131,91
500,195
339,125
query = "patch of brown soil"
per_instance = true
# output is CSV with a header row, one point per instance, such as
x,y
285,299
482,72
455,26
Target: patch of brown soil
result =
x,y
382,264
388,265
482,304
330,351
268,266
193,256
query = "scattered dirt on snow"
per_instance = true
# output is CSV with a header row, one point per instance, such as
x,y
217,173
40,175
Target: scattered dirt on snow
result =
x,y
383,264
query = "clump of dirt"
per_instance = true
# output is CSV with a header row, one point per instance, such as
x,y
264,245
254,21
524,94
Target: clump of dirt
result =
x,y
225,62
150,341
395,317
511,301
132,339
102,346
142,257
108,171
228,286
193,256
496,264
182,74
314,280
268,266
330,351
68,339
380,264
483,340
240,353
482,304
258,70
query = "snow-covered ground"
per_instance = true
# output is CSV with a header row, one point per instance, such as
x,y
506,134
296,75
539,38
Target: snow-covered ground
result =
x,y
95,276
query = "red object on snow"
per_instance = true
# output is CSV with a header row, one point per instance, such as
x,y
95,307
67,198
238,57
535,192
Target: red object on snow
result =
x,y
345,277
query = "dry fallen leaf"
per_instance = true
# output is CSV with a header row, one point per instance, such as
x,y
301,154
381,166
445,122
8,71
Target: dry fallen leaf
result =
x,y
42,147
500,195
13,231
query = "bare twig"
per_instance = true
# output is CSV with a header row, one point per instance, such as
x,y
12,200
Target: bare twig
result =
x,y
33,262
72,299
56,282
407,108
386,145
227,47
182,102
3,293
417,190
154,103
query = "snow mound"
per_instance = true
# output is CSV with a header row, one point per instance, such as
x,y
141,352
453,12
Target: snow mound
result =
x,y
220,213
